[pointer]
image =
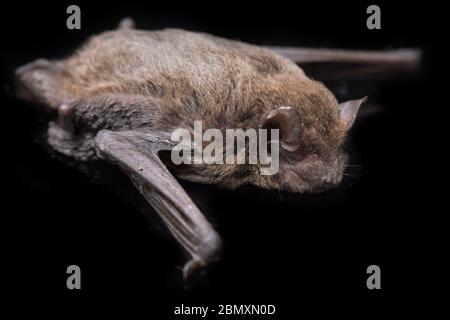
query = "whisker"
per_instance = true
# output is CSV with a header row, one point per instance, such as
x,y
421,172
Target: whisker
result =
x,y
355,165
279,196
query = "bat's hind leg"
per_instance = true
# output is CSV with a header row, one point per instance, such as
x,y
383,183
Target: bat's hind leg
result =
x,y
36,82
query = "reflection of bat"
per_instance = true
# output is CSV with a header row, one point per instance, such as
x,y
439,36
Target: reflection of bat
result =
x,y
121,95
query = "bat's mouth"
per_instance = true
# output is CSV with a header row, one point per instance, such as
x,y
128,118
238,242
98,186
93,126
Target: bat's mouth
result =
x,y
309,175
294,182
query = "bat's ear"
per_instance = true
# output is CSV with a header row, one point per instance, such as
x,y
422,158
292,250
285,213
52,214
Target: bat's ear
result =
x,y
287,120
348,111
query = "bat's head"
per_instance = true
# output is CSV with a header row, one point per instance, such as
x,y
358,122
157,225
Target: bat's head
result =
x,y
311,136
311,131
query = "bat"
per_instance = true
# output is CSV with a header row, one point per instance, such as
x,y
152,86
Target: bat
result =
x,y
121,95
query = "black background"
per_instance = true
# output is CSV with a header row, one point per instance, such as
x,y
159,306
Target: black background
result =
x,y
303,253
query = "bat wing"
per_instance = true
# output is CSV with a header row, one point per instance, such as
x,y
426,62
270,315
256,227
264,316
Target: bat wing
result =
x,y
136,153
340,64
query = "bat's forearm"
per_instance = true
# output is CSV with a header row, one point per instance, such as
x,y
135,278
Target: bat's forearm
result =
x,y
352,63
161,190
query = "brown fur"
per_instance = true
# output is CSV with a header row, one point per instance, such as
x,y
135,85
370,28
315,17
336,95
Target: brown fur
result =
x,y
167,79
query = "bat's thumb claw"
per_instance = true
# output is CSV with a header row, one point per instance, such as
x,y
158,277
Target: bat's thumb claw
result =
x,y
209,252
192,269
